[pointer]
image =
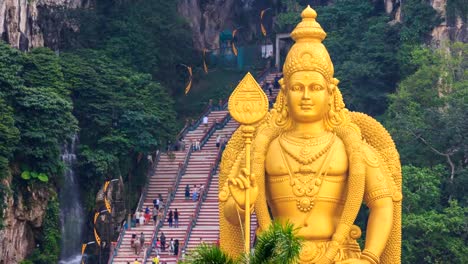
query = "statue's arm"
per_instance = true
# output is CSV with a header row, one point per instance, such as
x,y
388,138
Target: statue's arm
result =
x,y
379,200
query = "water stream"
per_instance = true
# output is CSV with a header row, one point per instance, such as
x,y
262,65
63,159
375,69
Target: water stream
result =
x,y
71,212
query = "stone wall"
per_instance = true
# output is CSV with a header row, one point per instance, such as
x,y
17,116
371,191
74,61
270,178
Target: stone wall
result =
x,y
23,218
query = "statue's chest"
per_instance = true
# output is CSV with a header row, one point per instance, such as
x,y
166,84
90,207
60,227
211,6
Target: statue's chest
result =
x,y
296,161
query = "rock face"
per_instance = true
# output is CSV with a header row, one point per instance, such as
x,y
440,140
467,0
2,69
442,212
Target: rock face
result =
x,y
207,19
26,24
455,30
22,219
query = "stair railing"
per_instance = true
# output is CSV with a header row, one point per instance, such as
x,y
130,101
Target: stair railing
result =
x,y
223,122
170,197
213,129
213,170
193,222
141,201
156,229
206,111
119,242
144,191
182,169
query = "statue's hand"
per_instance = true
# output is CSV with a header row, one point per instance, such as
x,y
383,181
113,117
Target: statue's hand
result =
x,y
238,186
353,261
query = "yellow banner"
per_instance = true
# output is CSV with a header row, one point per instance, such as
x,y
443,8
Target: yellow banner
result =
x,y
234,49
108,206
263,30
205,67
95,217
233,45
262,13
83,248
106,184
189,85
98,239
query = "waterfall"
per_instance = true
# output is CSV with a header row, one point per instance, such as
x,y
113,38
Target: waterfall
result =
x,y
71,211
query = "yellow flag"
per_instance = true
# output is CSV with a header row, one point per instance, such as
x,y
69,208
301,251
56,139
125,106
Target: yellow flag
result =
x,y
95,217
234,49
205,68
106,202
83,248
106,184
98,239
234,32
263,30
262,13
189,85
233,45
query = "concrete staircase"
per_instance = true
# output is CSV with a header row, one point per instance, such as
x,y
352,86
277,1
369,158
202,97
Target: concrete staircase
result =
x,y
159,183
198,169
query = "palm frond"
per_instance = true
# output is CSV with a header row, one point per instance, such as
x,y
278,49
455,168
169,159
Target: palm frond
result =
x,y
278,244
209,254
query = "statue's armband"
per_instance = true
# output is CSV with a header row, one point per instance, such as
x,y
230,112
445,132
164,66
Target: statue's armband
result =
x,y
377,183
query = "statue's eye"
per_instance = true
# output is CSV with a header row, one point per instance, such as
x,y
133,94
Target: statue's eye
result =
x,y
317,88
296,88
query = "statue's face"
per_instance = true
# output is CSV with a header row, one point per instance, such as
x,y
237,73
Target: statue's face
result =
x,y
307,96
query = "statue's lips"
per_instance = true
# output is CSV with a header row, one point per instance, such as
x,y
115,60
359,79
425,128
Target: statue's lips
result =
x,y
306,106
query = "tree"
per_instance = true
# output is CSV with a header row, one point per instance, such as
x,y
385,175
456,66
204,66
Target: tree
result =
x,y
278,244
122,115
427,115
147,36
432,232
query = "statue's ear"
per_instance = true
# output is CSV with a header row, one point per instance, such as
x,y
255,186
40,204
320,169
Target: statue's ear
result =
x,y
282,84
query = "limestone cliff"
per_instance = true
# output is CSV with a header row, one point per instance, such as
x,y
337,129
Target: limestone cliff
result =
x,y
25,24
208,18
455,30
23,218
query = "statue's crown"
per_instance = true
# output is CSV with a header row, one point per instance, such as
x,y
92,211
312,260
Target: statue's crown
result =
x,y
308,29
308,53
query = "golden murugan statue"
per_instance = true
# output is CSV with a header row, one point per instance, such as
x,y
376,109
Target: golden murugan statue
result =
x,y
313,164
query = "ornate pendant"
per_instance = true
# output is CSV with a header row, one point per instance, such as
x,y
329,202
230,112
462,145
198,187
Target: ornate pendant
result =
x,y
305,204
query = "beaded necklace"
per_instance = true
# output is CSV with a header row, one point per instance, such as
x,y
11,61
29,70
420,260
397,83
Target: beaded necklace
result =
x,y
306,156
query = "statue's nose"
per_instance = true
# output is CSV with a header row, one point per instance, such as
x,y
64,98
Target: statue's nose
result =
x,y
306,94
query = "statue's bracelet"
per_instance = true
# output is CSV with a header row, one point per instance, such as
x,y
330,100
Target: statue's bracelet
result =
x,y
369,256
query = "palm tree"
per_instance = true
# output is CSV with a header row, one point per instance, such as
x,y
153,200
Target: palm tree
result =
x,y
278,244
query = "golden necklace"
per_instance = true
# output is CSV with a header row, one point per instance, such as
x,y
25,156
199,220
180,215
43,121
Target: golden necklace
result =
x,y
306,185
306,156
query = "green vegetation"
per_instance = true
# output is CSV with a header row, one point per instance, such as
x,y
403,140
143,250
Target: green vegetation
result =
x,y
118,85
217,84
278,244
427,118
147,36
433,231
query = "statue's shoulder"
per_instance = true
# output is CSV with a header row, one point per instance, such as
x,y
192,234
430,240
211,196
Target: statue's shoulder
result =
x,y
371,156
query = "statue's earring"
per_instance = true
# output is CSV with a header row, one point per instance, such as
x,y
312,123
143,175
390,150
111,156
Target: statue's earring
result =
x,y
282,116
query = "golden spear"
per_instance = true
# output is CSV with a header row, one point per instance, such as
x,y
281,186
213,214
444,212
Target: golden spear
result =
x,y
248,104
